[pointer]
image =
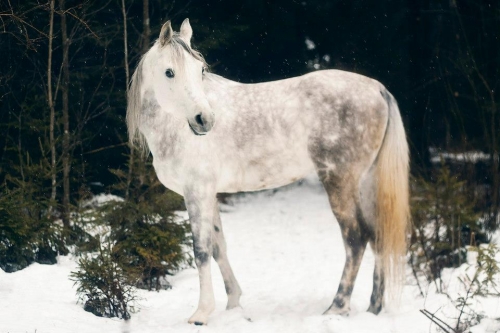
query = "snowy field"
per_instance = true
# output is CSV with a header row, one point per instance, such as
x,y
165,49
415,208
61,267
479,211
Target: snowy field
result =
x,y
287,253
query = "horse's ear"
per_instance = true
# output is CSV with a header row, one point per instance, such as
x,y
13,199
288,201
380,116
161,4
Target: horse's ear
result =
x,y
186,31
166,33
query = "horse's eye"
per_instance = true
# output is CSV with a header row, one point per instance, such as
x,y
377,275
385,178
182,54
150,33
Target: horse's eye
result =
x,y
203,70
170,73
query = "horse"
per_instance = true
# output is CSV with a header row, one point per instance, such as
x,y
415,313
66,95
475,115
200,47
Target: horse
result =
x,y
208,134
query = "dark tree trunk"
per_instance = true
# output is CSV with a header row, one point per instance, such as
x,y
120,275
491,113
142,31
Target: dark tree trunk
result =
x,y
418,54
127,79
65,112
146,30
50,100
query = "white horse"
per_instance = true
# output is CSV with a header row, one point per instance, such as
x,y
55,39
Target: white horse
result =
x,y
208,134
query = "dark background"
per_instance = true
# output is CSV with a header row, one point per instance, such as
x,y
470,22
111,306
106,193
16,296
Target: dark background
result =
x,y
439,58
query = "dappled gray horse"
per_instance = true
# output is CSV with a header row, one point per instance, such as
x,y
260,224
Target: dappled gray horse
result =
x,y
208,134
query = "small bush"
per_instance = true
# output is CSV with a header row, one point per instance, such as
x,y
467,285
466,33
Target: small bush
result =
x,y
27,231
27,235
103,286
148,242
444,223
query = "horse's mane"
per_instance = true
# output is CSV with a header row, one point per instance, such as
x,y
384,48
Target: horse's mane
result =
x,y
134,104
177,45
134,100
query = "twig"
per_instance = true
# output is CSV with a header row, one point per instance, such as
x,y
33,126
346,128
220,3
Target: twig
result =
x,y
105,148
82,22
437,321
416,276
432,314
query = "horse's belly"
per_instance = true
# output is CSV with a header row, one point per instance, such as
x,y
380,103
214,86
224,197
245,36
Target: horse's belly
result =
x,y
264,173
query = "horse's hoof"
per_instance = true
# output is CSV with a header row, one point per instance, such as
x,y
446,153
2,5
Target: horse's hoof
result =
x,y
233,300
197,322
375,309
198,319
333,310
231,306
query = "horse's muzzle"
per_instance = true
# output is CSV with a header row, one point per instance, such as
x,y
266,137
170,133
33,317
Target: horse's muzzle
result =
x,y
202,123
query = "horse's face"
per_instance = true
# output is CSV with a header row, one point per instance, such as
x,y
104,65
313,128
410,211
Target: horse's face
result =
x,y
178,73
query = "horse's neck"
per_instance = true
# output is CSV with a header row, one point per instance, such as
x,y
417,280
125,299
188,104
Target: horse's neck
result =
x,y
216,86
221,94
217,80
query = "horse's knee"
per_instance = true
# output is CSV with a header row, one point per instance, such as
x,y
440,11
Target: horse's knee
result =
x,y
201,258
202,253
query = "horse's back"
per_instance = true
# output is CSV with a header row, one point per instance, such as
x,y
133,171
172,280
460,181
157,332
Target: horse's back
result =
x,y
337,86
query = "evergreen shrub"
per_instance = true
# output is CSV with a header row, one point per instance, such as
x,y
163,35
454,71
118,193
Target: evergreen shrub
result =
x,y
103,286
27,234
444,223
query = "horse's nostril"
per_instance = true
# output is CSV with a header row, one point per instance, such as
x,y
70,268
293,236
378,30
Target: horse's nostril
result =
x,y
199,120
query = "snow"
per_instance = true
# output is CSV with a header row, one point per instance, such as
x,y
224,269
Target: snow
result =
x,y
101,199
287,253
310,44
467,156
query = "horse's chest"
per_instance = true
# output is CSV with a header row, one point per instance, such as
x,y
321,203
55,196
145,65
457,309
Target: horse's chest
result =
x,y
167,150
170,174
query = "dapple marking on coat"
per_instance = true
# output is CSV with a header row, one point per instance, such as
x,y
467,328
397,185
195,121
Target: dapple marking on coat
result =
x,y
208,134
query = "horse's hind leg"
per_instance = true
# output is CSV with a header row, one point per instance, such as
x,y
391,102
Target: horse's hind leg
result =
x,y
343,197
233,289
367,200
377,297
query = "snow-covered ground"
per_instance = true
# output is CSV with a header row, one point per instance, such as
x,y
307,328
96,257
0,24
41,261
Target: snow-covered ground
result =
x,y
287,253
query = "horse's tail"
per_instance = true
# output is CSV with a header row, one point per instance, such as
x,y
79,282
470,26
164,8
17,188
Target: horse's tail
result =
x,y
392,210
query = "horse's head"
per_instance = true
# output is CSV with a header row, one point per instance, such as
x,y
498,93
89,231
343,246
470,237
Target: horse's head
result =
x,y
177,72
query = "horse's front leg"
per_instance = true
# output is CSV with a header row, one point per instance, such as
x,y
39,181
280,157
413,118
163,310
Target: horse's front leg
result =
x,y
200,201
233,289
